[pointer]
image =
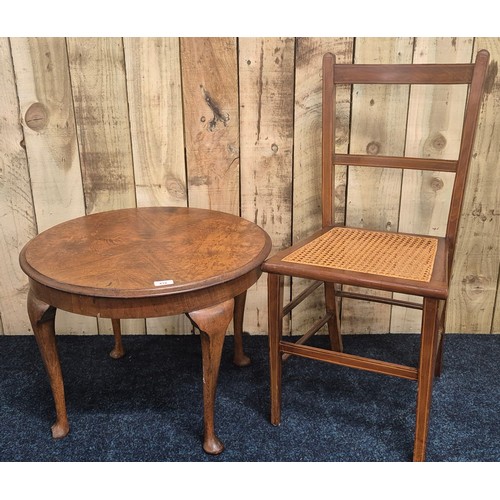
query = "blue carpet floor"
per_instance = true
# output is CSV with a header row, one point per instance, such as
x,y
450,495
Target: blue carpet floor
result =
x,y
147,406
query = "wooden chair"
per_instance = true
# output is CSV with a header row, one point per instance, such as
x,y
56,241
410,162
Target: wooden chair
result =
x,y
418,265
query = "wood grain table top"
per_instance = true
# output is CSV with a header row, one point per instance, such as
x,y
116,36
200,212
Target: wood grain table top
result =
x,y
139,252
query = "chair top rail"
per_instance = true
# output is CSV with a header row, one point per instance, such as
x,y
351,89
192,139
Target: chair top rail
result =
x,y
403,73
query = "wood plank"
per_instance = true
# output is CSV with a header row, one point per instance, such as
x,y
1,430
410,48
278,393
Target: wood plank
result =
x,y
474,281
155,107
307,156
100,97
16,205
266,135
434,125
97,69
378,126
44,91
210,96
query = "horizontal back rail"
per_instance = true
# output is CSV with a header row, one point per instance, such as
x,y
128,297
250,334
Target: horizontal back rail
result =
x,y
403,73
436,165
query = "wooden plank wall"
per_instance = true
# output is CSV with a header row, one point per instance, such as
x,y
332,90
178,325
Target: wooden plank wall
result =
x,y
233,124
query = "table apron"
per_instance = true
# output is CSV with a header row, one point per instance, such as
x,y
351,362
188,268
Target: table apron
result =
x,y
145,307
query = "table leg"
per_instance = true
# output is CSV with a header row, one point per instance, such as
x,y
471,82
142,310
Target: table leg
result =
x,y
42,317
118,350
239,356
212,323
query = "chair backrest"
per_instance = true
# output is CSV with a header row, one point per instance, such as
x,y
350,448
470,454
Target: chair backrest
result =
x,y
472,74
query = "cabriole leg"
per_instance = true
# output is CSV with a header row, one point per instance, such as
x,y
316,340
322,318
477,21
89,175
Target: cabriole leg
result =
x,y
212,323
42,317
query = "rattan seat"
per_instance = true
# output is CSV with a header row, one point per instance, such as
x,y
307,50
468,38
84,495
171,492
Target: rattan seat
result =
x,y
374,252
340,255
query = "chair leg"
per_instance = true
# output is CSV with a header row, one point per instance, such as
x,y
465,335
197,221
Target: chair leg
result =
x,y
333,322
275,332
426,369
441,329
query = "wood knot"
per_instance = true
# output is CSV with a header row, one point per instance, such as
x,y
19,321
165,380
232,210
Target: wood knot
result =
x,y
475,284
36,117
233,149
219,115
438,142
340,192
200,180
478,212
274,148
341,136
436,184
373,148
176,188
434,145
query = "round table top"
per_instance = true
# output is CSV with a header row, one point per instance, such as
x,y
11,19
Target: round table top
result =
x,y
145,252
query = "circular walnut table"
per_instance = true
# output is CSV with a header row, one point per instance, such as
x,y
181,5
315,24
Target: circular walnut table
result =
x,y
143,263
